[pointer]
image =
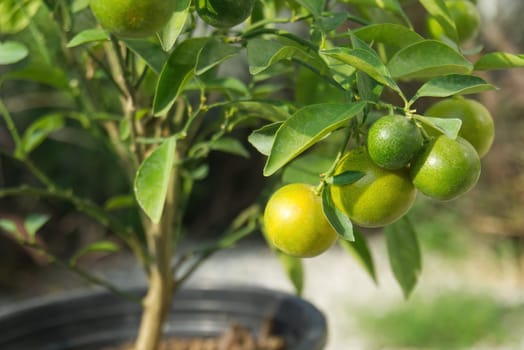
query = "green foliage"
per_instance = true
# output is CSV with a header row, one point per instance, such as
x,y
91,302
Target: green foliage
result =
x,y
302,79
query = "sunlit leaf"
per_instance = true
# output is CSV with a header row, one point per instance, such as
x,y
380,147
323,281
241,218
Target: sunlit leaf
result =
x,y
214,52
305,128
35,222
365,60
427,59
15,15
294,270
262,139
499,60
360,250
451,85
88,36
97,247
404,254
12,52
39,130
338,220
152,179
176,73
448,126
175,25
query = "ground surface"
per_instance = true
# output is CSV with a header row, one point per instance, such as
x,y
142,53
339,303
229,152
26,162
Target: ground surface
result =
x,y
335,283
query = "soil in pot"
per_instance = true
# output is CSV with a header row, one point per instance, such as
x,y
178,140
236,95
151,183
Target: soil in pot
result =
x,y
234,338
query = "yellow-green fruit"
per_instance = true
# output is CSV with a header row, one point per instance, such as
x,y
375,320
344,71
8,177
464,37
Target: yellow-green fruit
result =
x,y
295,223
133,18
477,124
446,168
377,199
393,141
224,13
466,17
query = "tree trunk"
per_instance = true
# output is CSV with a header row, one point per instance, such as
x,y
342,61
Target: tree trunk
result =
x,y
157,302
156,306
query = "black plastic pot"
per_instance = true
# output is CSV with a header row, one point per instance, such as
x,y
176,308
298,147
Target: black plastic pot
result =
x,y
92,321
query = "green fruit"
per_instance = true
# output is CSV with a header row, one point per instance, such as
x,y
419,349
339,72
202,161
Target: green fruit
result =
x,y
295,222
466,17
477,124
377,199
446,168
133,18
224,13
393,141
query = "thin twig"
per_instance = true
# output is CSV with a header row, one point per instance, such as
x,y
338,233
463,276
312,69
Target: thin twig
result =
x,y
83,205
86,275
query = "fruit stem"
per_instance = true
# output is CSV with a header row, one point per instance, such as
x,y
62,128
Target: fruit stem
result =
x,y
342,150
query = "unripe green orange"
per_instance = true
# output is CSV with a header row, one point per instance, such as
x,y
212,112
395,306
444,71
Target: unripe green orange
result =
x,y
133,18
466,17
393,141
224,13
377,199
446,168
477,124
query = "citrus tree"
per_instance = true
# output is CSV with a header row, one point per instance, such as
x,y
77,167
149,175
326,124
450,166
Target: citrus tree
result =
x,y
331,92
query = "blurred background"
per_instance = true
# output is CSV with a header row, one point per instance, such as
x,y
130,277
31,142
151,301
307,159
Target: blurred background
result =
x,y
471,289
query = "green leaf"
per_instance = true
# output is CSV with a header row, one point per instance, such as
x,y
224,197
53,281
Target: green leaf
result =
x,y
79,5
214,52
404,254
229,145
427,59
360,250
331,21
305,128
438,10
150,52
268,110
12,52
176,73
368,88
394,35
262,54
338,220
448,126
454,84
176,24
499,60
15,15
34,222
10,227
346,178
307,169
389,5
315,7
342,73
225,85
262,139
294,270
88,36
97,247
120,202
365,60
38,131
152,179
